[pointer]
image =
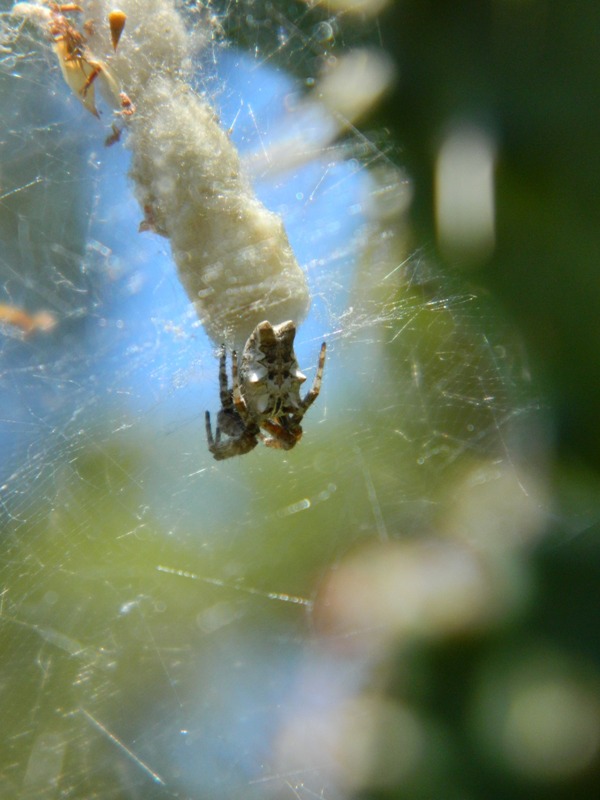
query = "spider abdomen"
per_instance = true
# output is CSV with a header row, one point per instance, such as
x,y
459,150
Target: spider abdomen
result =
x,y
270,379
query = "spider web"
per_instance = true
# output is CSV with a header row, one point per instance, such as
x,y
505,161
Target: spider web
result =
x,y
158,609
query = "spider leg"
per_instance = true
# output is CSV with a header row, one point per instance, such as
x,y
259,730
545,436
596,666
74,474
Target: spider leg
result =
x,y
213,444
228,420
224,390
238,400
312,395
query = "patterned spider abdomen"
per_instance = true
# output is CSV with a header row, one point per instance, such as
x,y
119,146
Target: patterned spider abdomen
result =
x,y
270,379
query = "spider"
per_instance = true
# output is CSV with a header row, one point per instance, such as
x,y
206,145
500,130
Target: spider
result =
x,y
265,393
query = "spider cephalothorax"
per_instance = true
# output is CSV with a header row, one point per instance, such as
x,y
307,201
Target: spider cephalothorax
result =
x,y
265,394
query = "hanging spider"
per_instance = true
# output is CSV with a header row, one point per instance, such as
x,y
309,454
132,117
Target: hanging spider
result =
x,y
265,393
